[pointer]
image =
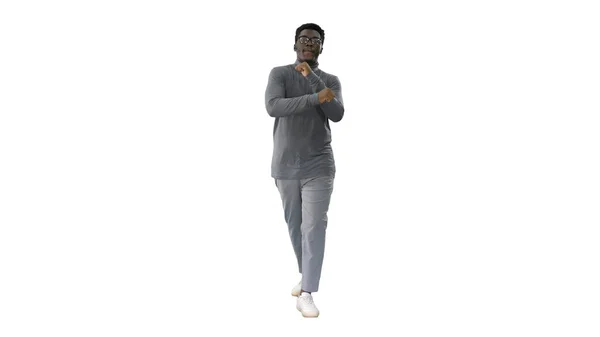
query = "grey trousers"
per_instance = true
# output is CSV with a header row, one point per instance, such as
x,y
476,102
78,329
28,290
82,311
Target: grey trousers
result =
x,y
305,206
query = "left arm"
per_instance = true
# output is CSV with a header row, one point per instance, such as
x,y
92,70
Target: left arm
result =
x,y
334,110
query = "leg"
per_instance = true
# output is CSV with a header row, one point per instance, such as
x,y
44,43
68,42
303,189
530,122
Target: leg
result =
x,y
316,194
292,209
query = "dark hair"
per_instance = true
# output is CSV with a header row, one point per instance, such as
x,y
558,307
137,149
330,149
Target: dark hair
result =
x,y
312,26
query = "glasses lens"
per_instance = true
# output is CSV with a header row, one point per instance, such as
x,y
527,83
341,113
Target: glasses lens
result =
x,y
304,40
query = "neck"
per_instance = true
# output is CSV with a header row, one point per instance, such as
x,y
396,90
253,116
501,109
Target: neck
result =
x,y
314,64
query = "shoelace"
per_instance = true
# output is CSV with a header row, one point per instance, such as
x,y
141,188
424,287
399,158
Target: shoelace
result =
x,y
307,300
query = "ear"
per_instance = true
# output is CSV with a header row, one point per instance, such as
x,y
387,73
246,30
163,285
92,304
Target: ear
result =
x,y
295,47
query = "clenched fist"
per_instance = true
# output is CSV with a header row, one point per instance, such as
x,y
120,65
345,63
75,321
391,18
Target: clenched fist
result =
x,y
326,95
304,68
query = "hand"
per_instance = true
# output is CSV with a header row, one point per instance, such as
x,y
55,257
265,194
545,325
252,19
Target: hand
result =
x,y
326,95
304,68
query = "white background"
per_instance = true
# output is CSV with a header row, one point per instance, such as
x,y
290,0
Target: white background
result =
x,y
136,197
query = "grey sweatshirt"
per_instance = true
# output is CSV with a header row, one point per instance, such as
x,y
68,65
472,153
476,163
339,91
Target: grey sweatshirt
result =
x,y
301,132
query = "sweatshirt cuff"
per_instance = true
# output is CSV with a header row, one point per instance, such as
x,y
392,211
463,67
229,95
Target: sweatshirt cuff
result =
x,y
314,99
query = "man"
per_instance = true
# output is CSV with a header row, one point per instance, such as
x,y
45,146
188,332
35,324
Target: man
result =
x,y
303,99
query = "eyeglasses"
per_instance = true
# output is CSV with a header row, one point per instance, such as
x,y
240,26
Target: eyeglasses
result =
x,y
314,40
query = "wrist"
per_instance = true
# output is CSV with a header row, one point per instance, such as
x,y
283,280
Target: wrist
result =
x,y
315,99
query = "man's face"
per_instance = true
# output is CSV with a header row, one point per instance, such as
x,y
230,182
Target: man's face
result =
x,y
308,45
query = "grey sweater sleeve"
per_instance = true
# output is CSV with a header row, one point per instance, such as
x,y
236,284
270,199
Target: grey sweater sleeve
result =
x,y
334,110
278,105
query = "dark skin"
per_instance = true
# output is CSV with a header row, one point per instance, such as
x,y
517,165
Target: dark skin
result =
x,y
310,51
308,55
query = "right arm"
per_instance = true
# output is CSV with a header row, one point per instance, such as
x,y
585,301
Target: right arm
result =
x,y
279,106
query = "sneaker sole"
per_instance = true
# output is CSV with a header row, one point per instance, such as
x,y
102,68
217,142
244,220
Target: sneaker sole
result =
x,y
296,291
311,315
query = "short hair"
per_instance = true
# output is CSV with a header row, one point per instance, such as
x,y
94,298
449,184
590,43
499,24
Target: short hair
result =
x,y
312,26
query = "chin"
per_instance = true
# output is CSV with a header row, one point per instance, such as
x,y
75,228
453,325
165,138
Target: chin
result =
x,y
304,59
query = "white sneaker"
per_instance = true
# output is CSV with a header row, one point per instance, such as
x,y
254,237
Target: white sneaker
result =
x,y
297,289
306,305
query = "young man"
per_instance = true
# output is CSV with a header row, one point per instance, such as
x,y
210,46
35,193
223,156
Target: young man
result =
x,y
303,99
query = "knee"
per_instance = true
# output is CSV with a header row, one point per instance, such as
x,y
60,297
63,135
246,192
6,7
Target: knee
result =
x,y
309,226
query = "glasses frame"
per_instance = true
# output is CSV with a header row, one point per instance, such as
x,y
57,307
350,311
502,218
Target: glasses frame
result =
x,y
313,40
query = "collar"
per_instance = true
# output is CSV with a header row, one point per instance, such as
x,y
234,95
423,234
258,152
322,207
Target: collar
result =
x,y
313,67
